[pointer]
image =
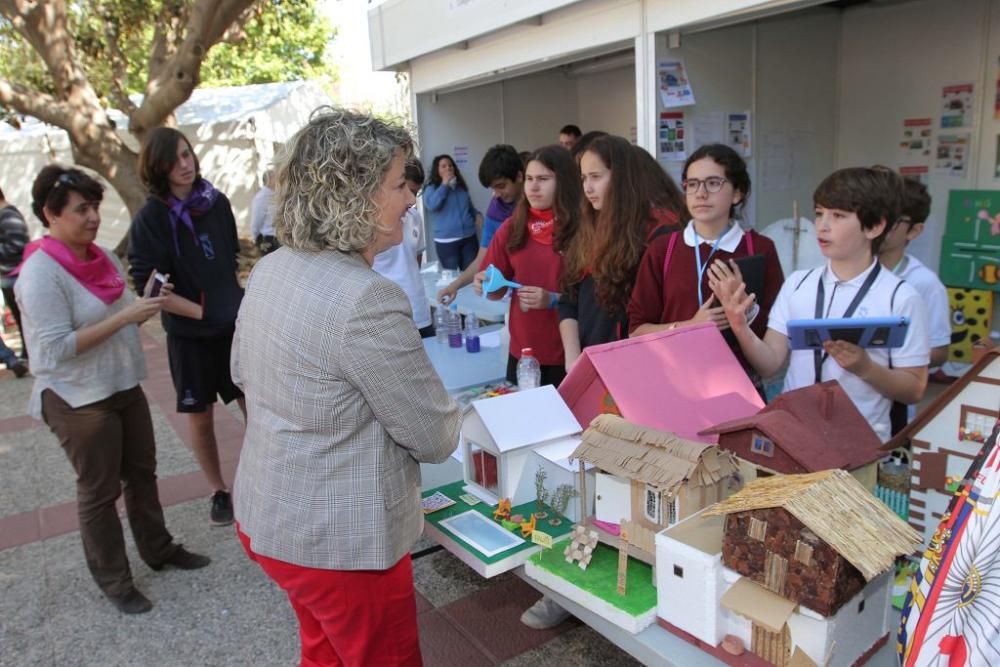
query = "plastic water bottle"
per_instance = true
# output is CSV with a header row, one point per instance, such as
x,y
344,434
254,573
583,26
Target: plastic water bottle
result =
x,y
441,324
471,333
529,373
454,327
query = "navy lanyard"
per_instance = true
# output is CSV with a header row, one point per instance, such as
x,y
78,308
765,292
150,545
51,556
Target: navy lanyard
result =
x,y
819,358
697,258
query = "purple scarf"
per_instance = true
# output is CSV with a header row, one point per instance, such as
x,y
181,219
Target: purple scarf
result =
x,y
499,209
199,202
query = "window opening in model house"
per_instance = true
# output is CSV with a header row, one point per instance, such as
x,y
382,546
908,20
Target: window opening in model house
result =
x,y
653,510
803,552
485,469
977,424
757,529
761,445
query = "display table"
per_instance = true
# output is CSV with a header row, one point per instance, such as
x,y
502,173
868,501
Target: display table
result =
x,y
459,369
656,646
467,301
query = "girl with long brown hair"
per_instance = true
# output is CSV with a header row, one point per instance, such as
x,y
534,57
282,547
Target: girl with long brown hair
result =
x,y
629,201
526,249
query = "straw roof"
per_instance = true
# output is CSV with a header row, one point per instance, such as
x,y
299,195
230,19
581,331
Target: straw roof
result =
x,y
650,456
836,507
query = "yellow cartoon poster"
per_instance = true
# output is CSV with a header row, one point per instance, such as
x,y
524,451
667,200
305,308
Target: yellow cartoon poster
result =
x,y
971,314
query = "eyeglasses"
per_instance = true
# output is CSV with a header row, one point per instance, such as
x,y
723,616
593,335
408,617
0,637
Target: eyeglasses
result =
x,y
68,179
712,184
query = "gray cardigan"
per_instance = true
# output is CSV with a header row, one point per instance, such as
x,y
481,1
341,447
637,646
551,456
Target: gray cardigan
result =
x,y
343,405
53,306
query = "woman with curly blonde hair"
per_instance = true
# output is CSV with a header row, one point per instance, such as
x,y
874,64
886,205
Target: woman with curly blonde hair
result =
x,y
342,400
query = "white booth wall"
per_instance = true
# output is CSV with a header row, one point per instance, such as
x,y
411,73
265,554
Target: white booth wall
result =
x,y
919,47
827,88
782,70
526,112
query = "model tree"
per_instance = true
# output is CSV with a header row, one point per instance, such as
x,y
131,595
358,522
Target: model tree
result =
x,y
542,494
560,501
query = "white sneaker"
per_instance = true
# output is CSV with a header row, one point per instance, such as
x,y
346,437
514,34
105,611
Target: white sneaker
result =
x,y
544,614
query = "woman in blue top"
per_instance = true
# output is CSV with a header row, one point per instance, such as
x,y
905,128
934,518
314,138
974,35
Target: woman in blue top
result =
x,y
454,219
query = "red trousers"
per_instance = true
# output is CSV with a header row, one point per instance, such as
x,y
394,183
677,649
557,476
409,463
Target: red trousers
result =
x,y
350,617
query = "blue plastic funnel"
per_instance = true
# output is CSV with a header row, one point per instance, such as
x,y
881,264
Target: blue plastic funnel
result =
x,y
494,280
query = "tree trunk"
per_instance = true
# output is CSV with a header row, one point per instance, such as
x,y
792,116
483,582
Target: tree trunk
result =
x,y
118,164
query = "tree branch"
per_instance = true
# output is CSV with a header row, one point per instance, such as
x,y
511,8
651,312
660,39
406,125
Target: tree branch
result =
x,y
179,75
30,102
119,69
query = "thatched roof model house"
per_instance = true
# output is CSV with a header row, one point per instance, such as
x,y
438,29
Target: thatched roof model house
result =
x,y
650,478
792,564
789,515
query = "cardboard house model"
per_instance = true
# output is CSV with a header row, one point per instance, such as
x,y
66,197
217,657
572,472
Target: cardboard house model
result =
x,y
806,430
683,381
946,436
795,569
507,438
649,478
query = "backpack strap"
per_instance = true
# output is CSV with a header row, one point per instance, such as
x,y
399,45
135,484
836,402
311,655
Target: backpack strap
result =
x,y
666,258
805,277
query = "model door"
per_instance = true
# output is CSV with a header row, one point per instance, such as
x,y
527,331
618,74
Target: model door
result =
x,y
614,498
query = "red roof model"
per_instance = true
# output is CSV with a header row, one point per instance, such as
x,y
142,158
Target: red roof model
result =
x,y
813,428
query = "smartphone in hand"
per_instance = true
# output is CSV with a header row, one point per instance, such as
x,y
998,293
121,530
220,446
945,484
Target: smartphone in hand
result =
x,y
158,280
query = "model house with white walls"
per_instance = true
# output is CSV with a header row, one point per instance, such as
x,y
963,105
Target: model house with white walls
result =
x,y
647,480
506,439
792,565
946,436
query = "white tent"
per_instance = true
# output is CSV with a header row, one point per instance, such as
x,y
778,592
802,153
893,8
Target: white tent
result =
x,y
234,132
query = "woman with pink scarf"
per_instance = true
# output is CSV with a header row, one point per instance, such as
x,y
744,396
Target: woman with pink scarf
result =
x,y
83,338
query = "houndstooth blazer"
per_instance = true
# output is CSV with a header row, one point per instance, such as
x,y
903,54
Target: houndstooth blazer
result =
x,y
343,405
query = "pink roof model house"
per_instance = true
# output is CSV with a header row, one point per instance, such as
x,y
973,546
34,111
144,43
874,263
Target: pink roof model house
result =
x,y
684,381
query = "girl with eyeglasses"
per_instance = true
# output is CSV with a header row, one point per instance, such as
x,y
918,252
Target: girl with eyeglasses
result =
x,y
671,289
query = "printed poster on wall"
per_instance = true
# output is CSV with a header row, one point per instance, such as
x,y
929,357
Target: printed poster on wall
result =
x,y
675,89
672,136
738,132
916,143
996,100
461,156
916,173
956,106
952,157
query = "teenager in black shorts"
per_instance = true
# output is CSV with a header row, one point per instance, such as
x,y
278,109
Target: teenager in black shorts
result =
x,y
186,229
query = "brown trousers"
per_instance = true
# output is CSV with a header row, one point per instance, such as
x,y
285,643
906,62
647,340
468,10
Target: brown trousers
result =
x,y
111,446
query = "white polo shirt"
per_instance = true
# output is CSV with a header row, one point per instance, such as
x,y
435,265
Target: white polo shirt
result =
x,y
399,264
935,295
797,300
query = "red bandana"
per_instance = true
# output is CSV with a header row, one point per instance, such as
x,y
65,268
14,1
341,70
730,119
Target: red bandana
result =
x,y
541,224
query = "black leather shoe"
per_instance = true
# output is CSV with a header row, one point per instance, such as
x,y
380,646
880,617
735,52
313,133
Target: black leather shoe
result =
x,y
183,559
132,602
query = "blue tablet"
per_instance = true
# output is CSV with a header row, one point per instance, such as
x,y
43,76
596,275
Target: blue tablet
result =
x,y
868,332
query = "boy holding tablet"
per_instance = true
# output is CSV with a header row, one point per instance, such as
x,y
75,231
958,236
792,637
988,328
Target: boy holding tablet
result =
x,y
854,209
